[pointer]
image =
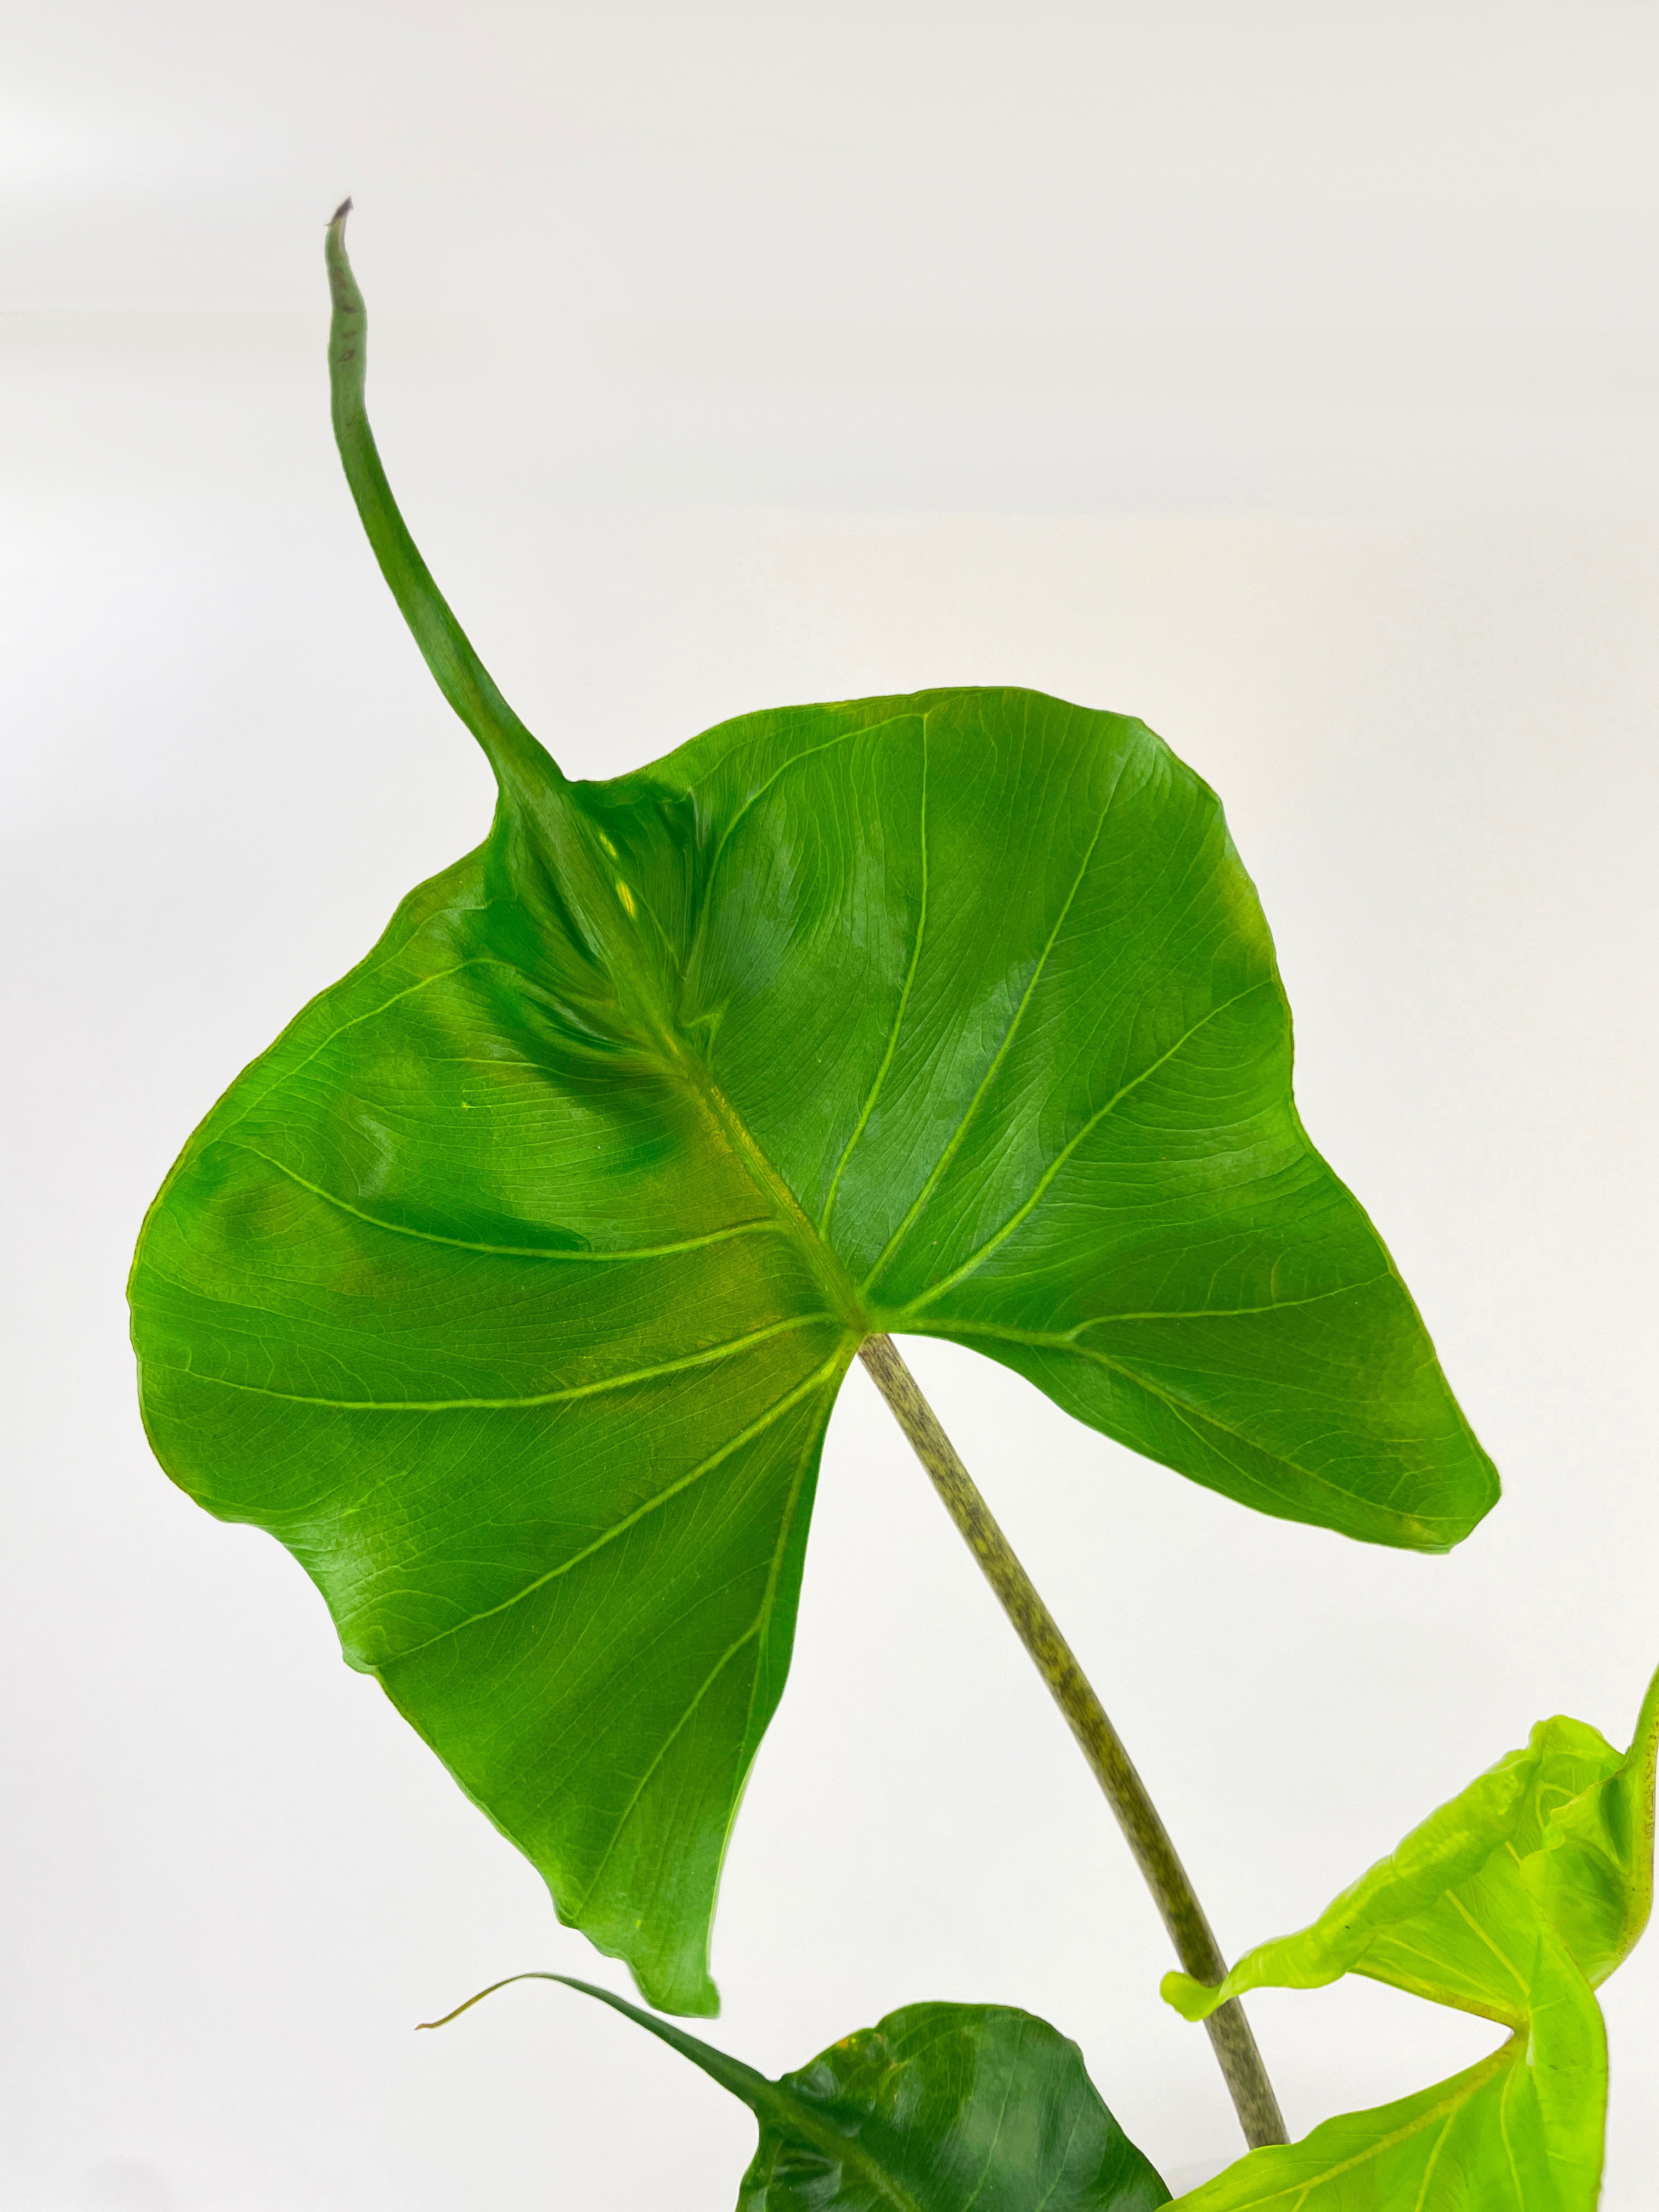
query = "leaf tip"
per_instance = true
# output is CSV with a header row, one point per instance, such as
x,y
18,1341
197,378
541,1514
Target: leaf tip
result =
x,y
1193,2000
345,335
1646,1737
682,2000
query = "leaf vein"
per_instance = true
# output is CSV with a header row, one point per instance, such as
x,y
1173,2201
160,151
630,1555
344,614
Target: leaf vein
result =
x,y
898,1017
948,1152
503,1405
755,1630
508,1251
757,1427
976,1260
1462,2089
1187,1415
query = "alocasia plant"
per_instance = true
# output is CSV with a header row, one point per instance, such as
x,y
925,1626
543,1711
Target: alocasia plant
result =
x,y
513,1286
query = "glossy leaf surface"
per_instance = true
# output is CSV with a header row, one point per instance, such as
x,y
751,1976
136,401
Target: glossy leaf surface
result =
x,y
1515,1902
512,1288
938,2108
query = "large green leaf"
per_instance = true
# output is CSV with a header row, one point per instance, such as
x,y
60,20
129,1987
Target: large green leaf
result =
x,y
512,1288
1513,1902
938,2108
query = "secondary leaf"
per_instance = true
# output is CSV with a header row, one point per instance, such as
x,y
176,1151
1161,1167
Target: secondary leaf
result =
x,y
1515,1902
512,1288
938,2108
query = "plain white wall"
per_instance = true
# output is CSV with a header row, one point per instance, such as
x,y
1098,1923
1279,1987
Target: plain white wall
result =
x,y
1282,373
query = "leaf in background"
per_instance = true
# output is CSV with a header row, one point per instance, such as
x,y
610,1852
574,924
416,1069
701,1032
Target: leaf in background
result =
x,y
512,1288
1515,1902
938,2108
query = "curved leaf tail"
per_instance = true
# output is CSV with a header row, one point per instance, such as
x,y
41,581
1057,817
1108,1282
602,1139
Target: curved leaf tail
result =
x,y
753,2089
511,751
550,849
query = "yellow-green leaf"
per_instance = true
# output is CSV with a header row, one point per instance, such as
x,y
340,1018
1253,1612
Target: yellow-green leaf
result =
x,y
1513,1902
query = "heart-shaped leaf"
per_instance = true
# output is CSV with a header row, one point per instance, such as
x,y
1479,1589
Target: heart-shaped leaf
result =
x,y
1515,1901
938,2108
512,1288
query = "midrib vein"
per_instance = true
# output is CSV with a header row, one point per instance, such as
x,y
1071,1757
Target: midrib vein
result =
x,y
697,1078
729,1127
792,2115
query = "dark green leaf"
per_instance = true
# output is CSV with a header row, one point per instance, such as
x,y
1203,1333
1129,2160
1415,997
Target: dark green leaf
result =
x,y
512,1288
938,2108
1515,1901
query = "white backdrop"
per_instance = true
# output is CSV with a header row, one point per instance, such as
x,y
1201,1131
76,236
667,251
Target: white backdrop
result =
x,y
1282,373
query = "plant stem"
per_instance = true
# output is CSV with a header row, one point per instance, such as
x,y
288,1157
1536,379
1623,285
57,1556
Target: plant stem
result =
x,y
1195,1947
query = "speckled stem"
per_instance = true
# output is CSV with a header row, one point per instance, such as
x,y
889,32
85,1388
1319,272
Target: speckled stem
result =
x,y
1195,1947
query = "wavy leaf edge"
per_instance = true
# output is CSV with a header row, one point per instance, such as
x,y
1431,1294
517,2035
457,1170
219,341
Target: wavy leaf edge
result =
x,y
1513,1901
